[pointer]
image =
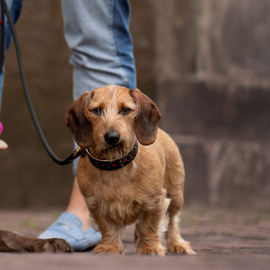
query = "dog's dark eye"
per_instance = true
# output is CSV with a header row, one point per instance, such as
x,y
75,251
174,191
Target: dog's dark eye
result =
x,y
97,111
125,111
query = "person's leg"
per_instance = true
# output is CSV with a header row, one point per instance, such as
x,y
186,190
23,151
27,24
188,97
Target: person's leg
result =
x,y
14,7
97,33
77,205
102,53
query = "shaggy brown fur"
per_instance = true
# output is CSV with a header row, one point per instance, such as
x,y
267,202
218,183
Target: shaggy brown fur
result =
x,y
143,191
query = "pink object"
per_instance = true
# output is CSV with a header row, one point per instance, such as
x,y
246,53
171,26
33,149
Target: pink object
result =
x,y
1,127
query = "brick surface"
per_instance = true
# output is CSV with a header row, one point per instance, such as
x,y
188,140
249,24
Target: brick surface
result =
x,y
86,261
222,239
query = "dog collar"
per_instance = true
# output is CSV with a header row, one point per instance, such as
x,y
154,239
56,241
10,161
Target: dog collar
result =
x,y
109,165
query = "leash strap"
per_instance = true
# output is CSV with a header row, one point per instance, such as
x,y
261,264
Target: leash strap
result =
x,y
76,153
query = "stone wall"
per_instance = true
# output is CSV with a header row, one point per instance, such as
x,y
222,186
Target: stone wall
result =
x,y
205,63
211,67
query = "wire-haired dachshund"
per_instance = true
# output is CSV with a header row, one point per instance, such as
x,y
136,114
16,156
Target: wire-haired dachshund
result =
x,y
132,171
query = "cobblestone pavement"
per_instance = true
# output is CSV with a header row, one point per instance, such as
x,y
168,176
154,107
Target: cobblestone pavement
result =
x,y
214,234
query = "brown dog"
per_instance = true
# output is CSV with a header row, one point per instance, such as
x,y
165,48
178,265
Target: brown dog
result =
x,y
124,181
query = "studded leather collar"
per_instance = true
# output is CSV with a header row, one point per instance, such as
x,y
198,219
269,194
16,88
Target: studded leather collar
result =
x,y
109,165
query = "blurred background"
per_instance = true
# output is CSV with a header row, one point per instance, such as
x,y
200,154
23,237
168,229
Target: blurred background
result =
x,y
206,63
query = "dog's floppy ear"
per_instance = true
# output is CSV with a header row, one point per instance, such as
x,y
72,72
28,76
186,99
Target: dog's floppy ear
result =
x,y
146,122
77,122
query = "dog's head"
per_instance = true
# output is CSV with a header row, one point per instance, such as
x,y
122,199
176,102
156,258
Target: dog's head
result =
x,y
107,119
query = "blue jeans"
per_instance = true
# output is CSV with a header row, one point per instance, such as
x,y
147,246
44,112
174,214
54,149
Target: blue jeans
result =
x,y
15,7
97,32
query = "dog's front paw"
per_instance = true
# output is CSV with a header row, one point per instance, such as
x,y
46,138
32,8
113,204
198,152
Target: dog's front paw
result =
x,y
181,248
102,249
158,250
53,245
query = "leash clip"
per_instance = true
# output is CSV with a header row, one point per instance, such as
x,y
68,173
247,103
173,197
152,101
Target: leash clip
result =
x,y
79,149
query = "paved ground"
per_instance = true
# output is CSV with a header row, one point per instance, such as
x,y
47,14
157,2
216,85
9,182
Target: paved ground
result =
x,y
222,239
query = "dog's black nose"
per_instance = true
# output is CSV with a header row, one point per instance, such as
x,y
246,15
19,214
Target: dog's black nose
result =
x,y
112,137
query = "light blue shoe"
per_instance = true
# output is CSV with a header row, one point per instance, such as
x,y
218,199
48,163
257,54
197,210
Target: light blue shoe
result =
x,y
68,227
